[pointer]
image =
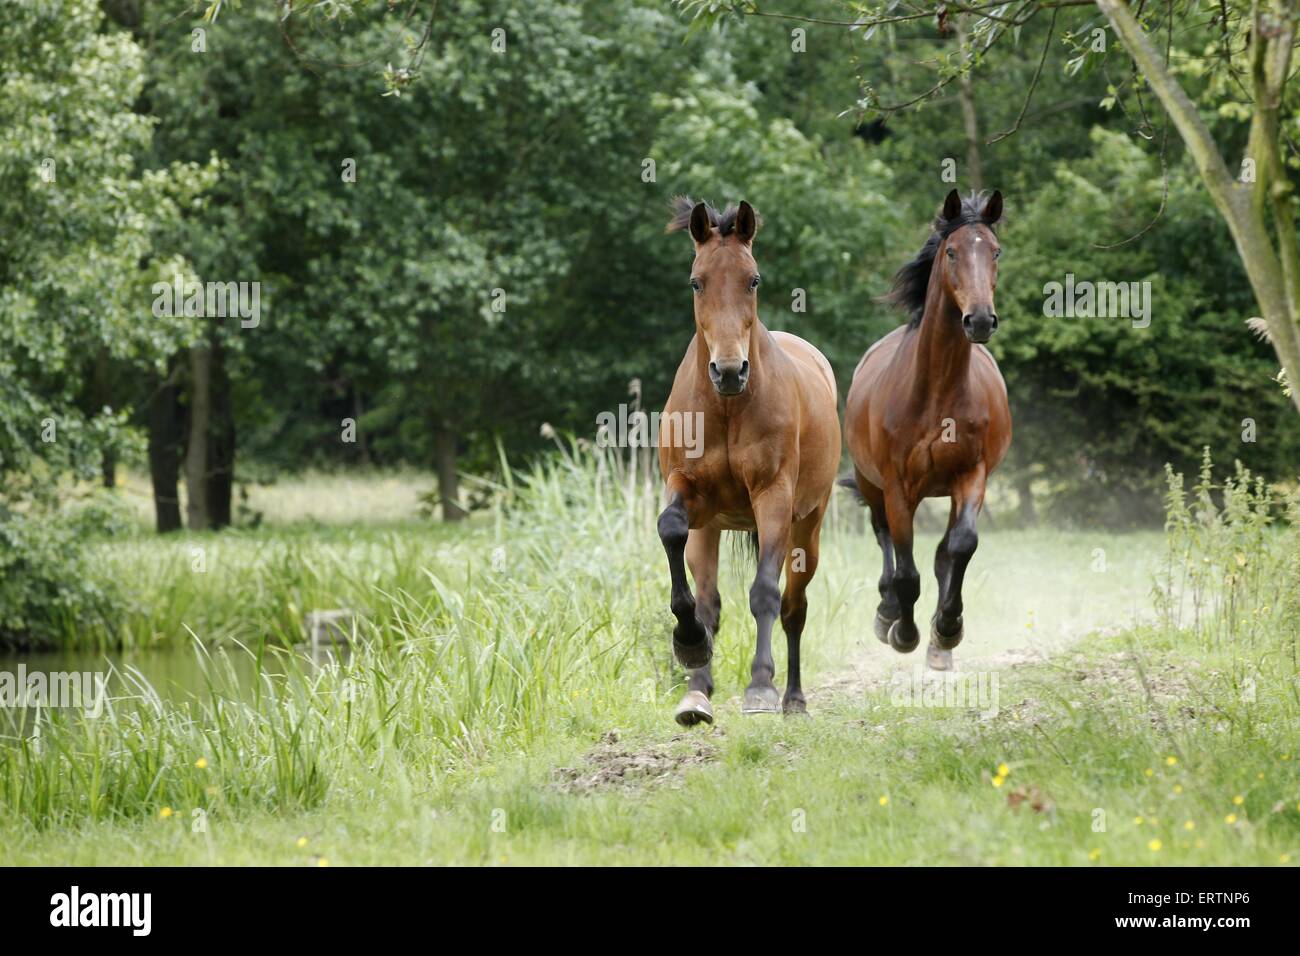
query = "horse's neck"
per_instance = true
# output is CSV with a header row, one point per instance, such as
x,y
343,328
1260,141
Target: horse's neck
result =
x,y
943,352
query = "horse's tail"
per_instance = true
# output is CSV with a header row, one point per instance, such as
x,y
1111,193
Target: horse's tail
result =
x,y
744,545
851,483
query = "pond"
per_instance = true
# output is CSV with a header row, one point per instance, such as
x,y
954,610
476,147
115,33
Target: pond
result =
x,y
83,680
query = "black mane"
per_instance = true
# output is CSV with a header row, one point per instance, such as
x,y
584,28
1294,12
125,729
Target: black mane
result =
x,y
912,280
724,222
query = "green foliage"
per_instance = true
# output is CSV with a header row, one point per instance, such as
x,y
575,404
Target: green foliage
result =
x,y
1130,399
48,589
79,222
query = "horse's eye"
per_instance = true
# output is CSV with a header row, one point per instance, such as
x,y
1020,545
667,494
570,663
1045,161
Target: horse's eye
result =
x,y
952,253
997,253
753,283
696,284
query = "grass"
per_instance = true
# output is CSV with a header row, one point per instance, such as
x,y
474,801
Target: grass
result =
x,y
513,702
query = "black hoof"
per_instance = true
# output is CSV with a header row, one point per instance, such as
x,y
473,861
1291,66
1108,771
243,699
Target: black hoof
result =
x,y
943,641
693,654
764,699
882,627
900,641
794,706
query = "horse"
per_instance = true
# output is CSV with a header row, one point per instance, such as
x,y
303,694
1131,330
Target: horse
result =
x,y
927,417
765,403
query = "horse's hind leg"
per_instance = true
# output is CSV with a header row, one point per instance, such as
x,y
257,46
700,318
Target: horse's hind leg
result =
x,y
887,610
950,562
692,640
772,513
702,559
800,566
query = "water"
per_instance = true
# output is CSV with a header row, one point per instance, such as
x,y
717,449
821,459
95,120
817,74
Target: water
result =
x,y
70,680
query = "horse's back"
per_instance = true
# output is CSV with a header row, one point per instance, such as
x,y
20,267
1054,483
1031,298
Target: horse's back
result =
x,y
805,354
878,354
819,431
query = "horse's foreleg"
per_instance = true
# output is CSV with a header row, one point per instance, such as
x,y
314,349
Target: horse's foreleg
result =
x,y
887,610
950,562
702,559
903,634
800,567
772,513
692,640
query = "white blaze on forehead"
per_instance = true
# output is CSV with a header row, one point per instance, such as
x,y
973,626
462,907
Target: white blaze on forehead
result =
x,y
979,238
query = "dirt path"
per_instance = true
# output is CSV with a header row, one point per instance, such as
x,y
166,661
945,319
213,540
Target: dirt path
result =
x,y
871,671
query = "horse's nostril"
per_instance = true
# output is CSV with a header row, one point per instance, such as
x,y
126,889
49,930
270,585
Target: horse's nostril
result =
x,y
966,321
744,368
994,316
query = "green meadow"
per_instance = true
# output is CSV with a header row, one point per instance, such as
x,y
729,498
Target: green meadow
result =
x,y
1120,699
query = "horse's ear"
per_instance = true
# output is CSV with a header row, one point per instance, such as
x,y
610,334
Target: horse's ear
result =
x,y
746,222
952,206
993,208
701,225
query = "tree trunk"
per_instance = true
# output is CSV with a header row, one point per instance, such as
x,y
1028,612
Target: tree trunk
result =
x,y
196,451
448,482
970,121
1274,272
164,454
221,441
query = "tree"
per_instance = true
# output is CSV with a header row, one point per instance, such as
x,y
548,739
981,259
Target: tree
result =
x,y
80,231
81,226
1251,59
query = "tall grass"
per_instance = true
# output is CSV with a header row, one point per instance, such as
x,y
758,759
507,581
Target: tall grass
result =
x,y
1229,564
463,646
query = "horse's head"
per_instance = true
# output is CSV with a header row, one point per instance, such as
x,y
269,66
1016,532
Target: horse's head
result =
x,y
967,259
724,278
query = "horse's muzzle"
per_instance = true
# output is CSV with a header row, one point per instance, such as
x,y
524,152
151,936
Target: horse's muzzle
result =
x,y
980,325
729,378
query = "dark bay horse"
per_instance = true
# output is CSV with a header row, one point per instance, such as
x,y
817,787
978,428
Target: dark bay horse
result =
x,y
765,405
927,417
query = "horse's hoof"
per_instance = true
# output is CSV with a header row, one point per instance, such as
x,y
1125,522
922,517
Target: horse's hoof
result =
x,y
794,706
882,627
898,643
938,658
761,700
946,642
694,655
694,709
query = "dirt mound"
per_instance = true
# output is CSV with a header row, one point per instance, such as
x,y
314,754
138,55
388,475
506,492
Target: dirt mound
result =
x,y
612,766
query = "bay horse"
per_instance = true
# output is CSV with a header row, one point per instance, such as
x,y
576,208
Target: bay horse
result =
x,y
927,417
766,407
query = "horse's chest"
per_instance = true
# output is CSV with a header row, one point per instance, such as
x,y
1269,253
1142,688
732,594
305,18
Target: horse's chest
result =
x,y
944,446
732,466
